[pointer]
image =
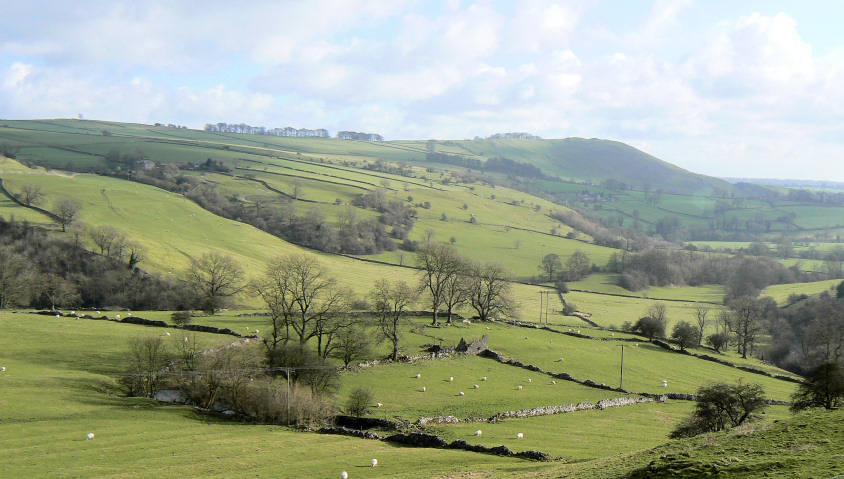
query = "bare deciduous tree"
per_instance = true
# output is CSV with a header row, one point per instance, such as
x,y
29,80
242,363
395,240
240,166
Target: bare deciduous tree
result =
x,y
439,263
701,312
31,195
66,210
391,303
214,278
488,290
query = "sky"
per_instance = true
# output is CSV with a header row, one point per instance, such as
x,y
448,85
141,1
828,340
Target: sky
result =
x,y
720,87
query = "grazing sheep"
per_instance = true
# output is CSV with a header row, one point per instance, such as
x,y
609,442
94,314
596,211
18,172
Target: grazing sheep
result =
x,y
578,331
487,327
462,394
167,333
2,369
476,386
526,337
478,432
344,475
418,376
130,314
186,339
378,405
664,383
483,378
256,331
98,312
553,382
73,312
529,380
560,360
423,389
519,388
58,316
450,378
374,462
519,436
117,316
612,334
90,436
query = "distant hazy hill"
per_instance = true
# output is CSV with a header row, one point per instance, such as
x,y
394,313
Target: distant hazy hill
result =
x,y
591,160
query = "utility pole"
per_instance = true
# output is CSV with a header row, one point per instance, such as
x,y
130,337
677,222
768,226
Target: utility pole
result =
x,y
621,381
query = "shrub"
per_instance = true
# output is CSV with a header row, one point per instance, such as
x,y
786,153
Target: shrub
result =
x,y
650,327
181,318
359,402
145,362
634,281
685,334
720,406
569,308
717,341
267,401
823,387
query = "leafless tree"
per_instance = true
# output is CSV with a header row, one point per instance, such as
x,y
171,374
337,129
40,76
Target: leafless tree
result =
x,y
489,291
67,210
745,322
214,278
701,312
31,195
439,264
391,302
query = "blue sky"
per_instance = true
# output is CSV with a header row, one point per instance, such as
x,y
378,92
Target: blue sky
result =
x,y
724,88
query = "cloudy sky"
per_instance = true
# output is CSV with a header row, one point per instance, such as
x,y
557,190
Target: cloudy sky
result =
x,y
721,87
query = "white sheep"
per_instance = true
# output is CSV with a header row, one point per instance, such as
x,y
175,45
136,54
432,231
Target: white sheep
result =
x,y
529,380
664,383
98,312
418,376
424,389
450,378
256,331
526,337
374,462
553,382
73,312
186,339
462,393
90,436
612,334
58,316
487,327
560,360
378,405
117,316
167,333
519,436
130,314
3,369
476,386
344,475
478,432
519,387
578,331
483,378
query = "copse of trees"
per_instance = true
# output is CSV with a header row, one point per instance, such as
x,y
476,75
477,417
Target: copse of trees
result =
x,y
39,270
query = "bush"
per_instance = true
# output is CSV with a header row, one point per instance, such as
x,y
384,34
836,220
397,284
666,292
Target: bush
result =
x,y
145,362
720,406
634,281
359,402
650,327
181,318
717,341
569,308
685,334
267,401
823,387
